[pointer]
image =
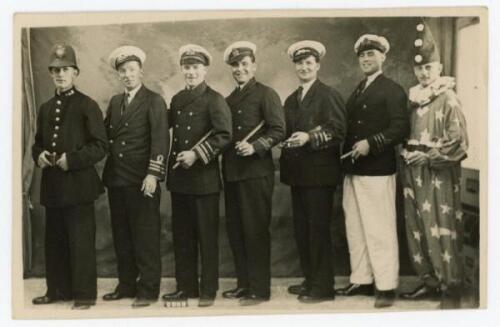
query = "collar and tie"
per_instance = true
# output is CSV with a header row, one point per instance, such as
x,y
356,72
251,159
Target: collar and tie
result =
x,y
241,87
304,89
368,81
126,102
300,92
361,87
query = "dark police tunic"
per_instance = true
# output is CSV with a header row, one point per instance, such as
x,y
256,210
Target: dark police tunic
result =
x,y
313,171
379,115
249,183
139,141
195,191
70,123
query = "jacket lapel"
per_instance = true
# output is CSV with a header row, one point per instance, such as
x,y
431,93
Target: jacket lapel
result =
x,y
133,106
306,101
369,89
310,94
237,96
115,112
292,112
186,97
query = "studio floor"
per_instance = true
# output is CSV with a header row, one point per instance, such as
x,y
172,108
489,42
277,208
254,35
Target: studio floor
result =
x,y
281,302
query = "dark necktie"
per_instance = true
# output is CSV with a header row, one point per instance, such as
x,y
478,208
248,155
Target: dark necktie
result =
x,y
361,87
300,90
125,102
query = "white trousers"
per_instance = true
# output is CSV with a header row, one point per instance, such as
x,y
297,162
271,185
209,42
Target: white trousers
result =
x,y
369,204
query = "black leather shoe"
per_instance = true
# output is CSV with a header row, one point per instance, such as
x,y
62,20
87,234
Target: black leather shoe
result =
x,y
206,301
423,292
356,289
141,302
117,295
311,299
82,305
235,293
384,299
46,299
298,289
252,299
179,296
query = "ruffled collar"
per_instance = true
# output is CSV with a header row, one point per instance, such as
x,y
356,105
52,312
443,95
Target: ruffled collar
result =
x,y
420,96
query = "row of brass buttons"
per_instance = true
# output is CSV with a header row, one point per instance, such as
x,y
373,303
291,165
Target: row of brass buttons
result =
x,y
56,126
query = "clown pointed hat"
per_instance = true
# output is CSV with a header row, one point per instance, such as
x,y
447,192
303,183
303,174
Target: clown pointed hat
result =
x,y
425,49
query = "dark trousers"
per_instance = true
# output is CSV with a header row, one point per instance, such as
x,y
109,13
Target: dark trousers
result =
x,y
312,211
248,216
195,223
70,259
135,222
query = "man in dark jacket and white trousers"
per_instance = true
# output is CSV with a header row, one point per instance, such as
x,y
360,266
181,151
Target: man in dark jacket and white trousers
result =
x,y
137,128
378,121
248,171
201,122
310,164
70,139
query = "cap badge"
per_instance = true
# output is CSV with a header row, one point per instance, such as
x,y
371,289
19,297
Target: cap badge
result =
x,y
60,52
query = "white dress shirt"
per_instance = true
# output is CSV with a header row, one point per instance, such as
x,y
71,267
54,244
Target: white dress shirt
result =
x,y
371,78
132,93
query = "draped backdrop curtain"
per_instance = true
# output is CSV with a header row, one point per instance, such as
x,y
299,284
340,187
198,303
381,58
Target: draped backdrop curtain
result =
x,y
28,134
444,32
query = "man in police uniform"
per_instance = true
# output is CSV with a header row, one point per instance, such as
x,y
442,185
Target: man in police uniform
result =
x,y
137,129
310,164
249,174
69,141
201,122
378,121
